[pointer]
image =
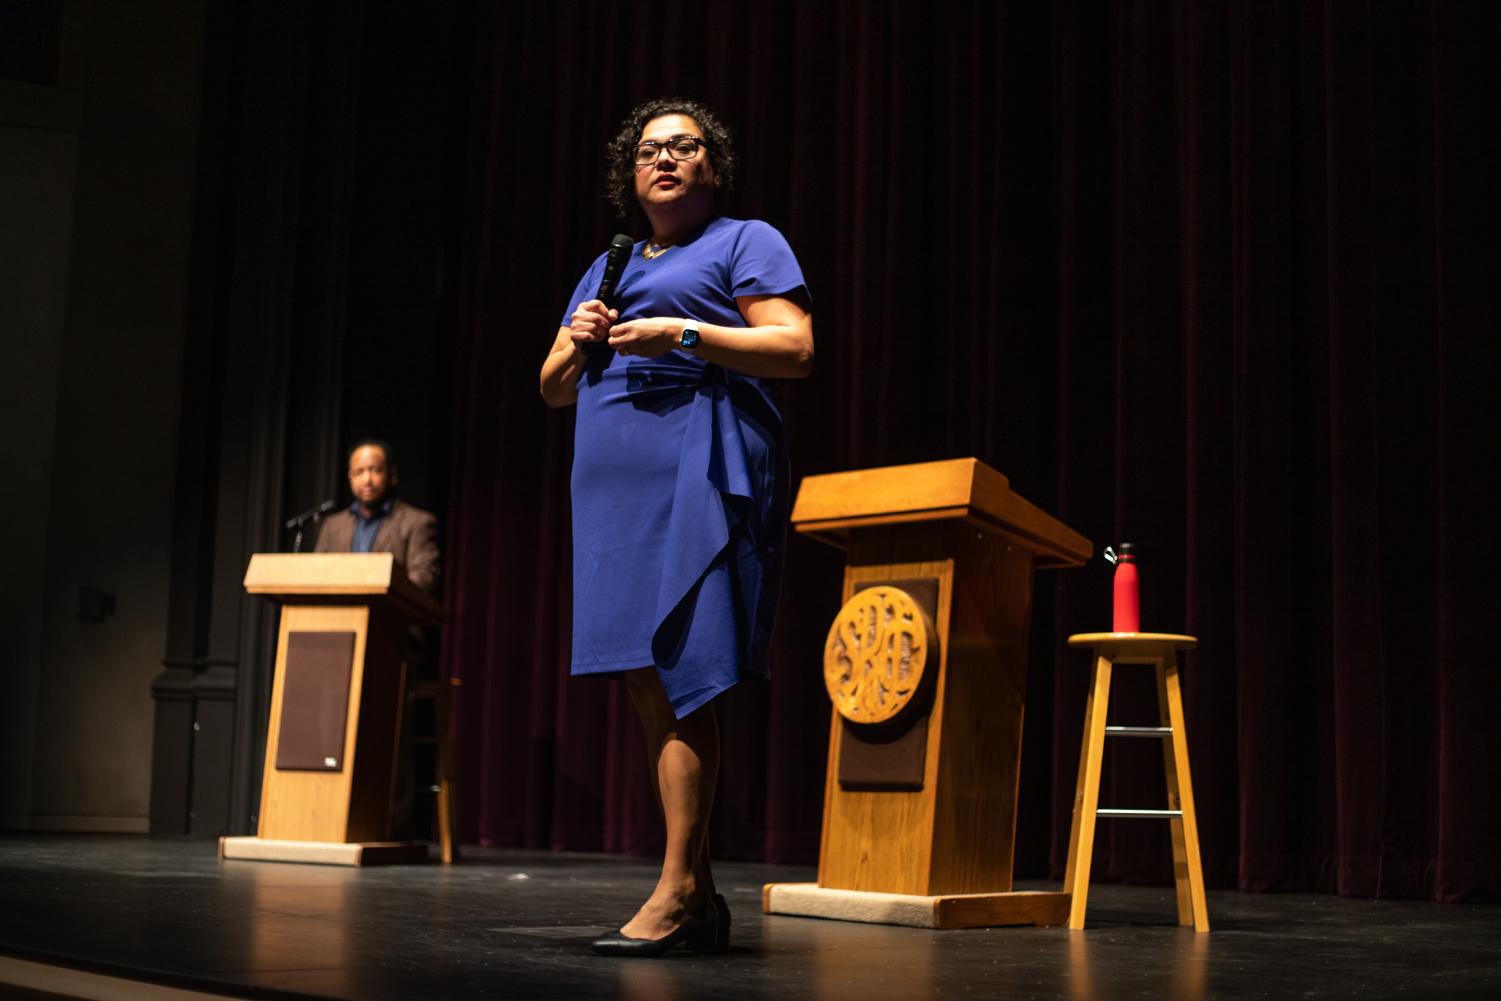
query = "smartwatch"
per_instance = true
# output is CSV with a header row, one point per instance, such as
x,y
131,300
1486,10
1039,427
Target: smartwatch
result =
x,y
689,341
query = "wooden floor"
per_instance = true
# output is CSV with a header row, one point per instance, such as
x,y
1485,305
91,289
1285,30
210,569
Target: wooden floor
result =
x,y
517,925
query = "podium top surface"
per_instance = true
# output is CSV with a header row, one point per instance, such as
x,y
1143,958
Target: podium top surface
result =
x,y
320,577
830,505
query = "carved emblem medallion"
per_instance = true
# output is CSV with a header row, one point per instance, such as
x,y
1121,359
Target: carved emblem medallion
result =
x,y
876,653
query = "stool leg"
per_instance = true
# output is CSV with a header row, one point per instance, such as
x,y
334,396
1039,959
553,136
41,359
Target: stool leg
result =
x,y
1073,832
445,777
1174,802
1087,794
1188,873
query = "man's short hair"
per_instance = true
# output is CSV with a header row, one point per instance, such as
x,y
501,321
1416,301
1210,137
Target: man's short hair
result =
x,y
379,443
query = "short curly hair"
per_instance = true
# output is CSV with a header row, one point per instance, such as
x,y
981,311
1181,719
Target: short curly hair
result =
x,y
380,443
718,146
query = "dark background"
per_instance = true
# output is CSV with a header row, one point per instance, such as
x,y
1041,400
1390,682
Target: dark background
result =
x,y
1219,279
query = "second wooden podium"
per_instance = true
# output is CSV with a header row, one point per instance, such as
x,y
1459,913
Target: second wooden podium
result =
x,y
336,704
926,665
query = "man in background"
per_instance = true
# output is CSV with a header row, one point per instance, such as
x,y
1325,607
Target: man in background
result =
x,y
380,522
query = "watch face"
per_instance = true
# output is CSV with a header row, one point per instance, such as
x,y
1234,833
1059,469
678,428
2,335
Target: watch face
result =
x,y
690,338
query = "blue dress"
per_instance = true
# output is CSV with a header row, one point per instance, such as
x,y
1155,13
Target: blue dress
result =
x,y
680,480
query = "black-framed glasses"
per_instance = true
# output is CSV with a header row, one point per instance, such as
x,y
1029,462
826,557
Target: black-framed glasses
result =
x,y
678,147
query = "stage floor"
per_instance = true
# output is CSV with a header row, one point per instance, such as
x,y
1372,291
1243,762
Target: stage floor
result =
x,y
508,924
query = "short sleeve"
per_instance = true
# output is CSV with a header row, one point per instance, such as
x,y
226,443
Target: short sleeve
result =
x,y
587,286
763,263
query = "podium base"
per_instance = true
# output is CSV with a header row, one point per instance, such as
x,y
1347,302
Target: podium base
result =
x,y
954,910
323,852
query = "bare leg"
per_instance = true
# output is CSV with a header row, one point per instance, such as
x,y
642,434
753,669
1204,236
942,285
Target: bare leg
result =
x,y
684,755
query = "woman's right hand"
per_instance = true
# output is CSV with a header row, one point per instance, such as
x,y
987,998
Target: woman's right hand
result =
x,y
591,322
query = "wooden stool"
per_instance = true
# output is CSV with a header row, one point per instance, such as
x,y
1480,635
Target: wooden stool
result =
x,y
1160,650
439,692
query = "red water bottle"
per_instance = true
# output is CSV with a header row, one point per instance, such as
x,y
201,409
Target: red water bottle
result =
x,y
1127,592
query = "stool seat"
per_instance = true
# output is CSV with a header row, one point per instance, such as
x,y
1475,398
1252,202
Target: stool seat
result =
x,y
1133,642
1160,651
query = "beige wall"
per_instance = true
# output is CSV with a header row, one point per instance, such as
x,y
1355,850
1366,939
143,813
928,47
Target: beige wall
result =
x,y
96,187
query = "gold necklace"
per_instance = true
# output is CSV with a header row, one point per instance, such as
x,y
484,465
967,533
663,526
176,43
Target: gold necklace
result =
x,y
651,250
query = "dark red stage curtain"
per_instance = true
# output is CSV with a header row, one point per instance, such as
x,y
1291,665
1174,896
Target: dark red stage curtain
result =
x,y
1220,279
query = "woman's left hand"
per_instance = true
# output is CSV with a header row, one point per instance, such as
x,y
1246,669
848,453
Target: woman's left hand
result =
x,y
649,337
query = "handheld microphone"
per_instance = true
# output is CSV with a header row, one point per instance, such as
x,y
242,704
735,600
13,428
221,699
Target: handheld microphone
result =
x,y
615,261
619,253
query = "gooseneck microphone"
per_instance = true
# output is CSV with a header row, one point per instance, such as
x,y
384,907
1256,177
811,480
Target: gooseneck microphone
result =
x,y
312,514
615,261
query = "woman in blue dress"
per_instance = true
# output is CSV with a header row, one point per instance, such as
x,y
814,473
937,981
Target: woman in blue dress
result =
x,y
680,479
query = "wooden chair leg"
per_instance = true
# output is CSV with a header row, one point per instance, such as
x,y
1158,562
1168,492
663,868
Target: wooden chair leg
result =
x,y
1087,795
1178,776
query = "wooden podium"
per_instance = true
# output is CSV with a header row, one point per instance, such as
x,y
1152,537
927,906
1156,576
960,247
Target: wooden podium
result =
x,y
336,704
919,824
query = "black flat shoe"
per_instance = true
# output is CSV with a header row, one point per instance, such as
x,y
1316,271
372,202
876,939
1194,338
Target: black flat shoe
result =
x,y
722,927
699,933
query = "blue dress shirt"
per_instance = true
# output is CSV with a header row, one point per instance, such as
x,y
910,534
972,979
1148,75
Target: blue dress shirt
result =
x,y
365,529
